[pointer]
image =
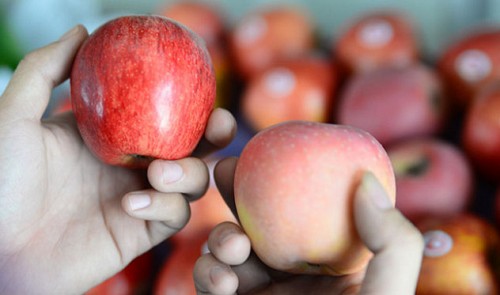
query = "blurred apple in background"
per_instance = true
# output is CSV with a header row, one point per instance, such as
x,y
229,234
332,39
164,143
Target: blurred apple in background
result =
x,y
293,191
135,279
294,89
208,21
377,39
469,63
460,256
269,33
176,273
481,131
206,212
394,103
433,178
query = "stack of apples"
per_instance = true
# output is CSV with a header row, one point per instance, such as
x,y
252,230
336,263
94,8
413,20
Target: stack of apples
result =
x,y
366,99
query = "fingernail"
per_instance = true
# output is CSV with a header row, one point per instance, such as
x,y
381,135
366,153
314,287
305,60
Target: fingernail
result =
x,y
226,236
139,201
372,187
172,172
70,33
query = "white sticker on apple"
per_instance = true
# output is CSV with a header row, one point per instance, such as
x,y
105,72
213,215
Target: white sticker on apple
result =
x,y
251,30
375,33
280,82
437,243
473,65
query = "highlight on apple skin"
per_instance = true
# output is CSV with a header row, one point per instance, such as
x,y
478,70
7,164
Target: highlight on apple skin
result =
x,y
294,185
142,87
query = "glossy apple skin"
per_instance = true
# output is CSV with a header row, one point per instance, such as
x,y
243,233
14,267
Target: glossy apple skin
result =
x,y
394,104
207,21
481,132
295,89
467,265
433,178
269,34
469,63
377,39
294,185
142,87
135,279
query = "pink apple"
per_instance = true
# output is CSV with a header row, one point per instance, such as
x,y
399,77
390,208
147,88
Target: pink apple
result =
x,y
481,131
293,187
295,89
433,177
142,87
459,257
377,39
267,34
394,103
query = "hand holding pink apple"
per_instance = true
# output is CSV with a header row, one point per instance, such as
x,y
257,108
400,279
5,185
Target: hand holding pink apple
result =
x,y
295,174
230,267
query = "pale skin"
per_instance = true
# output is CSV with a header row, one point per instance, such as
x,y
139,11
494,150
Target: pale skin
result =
x,y
68,221
232,268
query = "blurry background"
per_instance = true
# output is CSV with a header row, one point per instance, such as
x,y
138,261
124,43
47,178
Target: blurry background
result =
x,y
32,23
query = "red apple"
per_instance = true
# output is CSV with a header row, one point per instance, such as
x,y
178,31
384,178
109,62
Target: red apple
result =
x,y
293,190
394,103
265,35
469,63
459,256
206,20
142,87
134,279
433,177
206,212
176,274
377,39
481,131
295,89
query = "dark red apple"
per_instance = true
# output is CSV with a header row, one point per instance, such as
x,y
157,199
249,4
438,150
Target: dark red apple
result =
x,y
135,279
377,39
394,103
460,256
142,87
294,89
470,62
267,34
481,131
433,178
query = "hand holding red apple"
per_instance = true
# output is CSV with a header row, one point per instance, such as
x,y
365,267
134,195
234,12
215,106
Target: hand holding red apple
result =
x,y
142,88
69,221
